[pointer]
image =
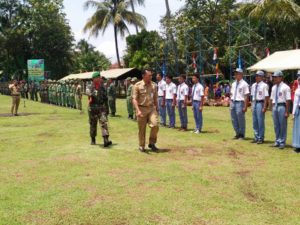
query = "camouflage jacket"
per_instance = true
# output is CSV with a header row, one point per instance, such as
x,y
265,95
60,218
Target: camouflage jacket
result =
x,y
98,97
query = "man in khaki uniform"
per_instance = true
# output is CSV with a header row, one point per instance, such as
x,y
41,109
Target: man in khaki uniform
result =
x,y
145,102
16,96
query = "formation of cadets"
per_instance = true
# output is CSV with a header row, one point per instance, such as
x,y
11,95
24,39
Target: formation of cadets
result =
x,y
174,98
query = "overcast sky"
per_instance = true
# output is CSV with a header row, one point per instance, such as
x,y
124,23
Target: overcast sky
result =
x,y
77,16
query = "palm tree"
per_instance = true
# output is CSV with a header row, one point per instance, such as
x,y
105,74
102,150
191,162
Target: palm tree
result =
x,y
278,12
282,13
115,13
138,2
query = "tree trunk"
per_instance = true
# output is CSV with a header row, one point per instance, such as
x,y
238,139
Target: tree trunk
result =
x,y
117,46
133,10
168,14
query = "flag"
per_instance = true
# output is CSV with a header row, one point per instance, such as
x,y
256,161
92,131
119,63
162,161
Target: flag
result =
x,y
216,62
267,52
240,61
194,64
164,70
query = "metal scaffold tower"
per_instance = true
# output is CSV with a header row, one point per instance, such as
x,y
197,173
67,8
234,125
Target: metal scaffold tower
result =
x,y
244,45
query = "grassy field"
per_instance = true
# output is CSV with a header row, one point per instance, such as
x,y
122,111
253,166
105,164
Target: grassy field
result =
x,y
50,174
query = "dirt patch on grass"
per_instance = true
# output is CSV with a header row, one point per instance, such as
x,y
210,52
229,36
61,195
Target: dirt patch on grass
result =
x,y
97,199
36,217
243,173
235,154
45,134
250,196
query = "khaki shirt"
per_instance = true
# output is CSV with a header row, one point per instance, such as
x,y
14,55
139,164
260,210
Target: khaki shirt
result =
x,y
145,95
14,90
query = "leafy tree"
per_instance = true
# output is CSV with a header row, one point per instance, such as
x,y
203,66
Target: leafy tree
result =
x,y
86,58
143,49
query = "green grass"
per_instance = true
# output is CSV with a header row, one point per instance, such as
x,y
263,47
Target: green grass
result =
x,y
49,174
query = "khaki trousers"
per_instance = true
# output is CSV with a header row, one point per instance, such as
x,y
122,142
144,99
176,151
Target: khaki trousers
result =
x,y
150,117
15,104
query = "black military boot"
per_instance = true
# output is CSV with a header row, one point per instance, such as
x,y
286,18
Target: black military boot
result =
x,y
93,141
107,142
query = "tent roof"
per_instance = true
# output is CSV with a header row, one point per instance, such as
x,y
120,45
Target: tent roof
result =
x,y
282,60
114,74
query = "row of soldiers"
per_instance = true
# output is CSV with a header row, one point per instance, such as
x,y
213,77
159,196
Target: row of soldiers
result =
x,y
61,93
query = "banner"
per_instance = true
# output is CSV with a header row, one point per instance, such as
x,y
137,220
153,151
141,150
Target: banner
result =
x,y
36,68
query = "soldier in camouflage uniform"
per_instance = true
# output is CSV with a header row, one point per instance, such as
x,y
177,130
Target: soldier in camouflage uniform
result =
x,y
98,109
128,98
111,93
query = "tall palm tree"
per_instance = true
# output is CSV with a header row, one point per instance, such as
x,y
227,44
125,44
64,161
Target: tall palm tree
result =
x,y
168,14
115,13
133,3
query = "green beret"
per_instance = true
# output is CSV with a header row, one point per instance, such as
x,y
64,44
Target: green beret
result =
x,y
128,78
134,79
96,74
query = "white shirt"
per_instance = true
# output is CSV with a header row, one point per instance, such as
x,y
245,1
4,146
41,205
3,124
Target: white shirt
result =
x,y
296,100
284,93
182,91
161,88
242,90
170,90
261,93
197,92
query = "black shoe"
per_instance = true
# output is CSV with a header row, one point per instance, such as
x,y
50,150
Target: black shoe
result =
x,y
93,141
297,150
141,149
107,144
236,137
153,147
241,137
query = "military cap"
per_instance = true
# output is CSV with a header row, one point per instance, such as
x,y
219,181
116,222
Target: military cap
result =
x,y
134,79
96,74
128,79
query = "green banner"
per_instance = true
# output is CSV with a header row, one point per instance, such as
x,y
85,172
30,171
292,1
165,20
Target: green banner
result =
x,y
36,68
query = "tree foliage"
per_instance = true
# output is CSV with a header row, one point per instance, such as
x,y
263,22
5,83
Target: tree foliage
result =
x,y
35,29
86,58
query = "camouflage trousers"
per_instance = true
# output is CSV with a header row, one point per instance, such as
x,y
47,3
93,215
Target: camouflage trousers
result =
x,y
98,114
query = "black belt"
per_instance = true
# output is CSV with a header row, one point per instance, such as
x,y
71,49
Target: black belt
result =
x,y
281,104
16,95
145,106
238,101
261,101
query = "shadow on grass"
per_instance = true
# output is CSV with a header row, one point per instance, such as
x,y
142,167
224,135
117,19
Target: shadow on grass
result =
x,y
19,114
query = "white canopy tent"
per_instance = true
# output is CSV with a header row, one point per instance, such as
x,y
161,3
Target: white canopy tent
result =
x,y
282,60
108,74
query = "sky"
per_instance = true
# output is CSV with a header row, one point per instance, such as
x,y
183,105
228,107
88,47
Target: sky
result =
x,y
77,17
